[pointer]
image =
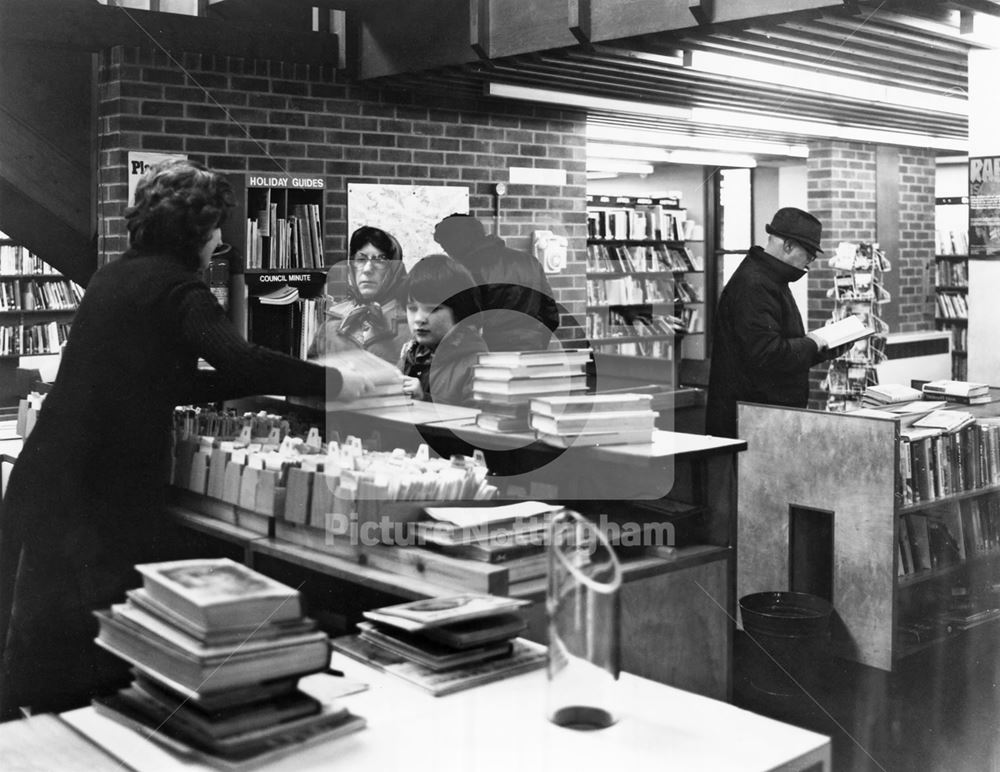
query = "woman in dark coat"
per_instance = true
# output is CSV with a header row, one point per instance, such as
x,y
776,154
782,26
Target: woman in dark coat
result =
x,y
372,318
84,500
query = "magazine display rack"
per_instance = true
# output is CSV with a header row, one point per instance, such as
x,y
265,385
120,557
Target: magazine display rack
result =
x,y
857,290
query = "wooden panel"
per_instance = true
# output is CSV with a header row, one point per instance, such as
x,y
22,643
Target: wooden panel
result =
x,y
682,621
826,461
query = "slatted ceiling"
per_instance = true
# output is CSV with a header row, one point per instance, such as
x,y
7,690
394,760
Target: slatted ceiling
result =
x,y
580,72
898,45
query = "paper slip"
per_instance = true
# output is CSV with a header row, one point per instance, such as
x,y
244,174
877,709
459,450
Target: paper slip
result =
x,y
470,517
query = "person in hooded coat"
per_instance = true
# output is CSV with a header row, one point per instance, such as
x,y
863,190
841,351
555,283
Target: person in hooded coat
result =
x,y
372,318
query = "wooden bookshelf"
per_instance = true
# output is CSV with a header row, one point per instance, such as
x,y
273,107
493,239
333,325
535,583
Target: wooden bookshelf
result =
x,y
278,239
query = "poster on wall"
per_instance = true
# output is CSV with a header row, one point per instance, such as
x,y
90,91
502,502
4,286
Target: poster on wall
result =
x,y
139,162
408,212
984,206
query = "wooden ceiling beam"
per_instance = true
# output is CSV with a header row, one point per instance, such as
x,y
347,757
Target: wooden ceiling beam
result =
x,y
94,27
415,35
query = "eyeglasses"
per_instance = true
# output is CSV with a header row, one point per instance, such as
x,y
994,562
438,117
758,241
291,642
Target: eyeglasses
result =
x,y
359,259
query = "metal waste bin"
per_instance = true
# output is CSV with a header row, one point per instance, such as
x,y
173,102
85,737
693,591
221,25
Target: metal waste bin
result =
x,y
789,634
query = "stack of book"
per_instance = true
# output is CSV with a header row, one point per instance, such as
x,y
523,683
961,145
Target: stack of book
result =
x,y
446,644
512,534
593,419
962,392
883,394
217,651
504,382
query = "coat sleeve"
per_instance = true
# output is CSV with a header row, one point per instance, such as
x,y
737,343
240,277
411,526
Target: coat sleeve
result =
x,y
242,368
756,320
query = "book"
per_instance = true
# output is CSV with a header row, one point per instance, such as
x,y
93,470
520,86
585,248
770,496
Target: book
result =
x,y
282,296
945,420
889,394
563,357
587,403
503,423
633,437
233,720
214,673
843,331
431,654
136,711
530,385
219,702
139,598
585,423
949,390
434,612
219,593
506,373
155,628
524,657
477,632
500,546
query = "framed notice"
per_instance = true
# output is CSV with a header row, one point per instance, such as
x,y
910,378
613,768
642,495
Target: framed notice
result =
x,y
408,212
984,206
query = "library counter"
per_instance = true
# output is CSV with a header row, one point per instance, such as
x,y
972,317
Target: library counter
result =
x,y
499,726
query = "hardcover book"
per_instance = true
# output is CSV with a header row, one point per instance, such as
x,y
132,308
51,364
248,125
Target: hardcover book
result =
x,y
434,612
843,331
219,593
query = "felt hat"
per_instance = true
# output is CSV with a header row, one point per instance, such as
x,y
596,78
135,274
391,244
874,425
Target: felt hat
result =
x,y
792,223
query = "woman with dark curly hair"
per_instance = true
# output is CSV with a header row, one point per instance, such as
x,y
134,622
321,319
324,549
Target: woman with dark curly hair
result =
x,y
372,318
84,501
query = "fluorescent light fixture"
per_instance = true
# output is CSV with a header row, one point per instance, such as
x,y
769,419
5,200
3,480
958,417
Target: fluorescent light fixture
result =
x,y
756,121
585,101
824,83
628,152
599,150
706,158
601,175
621,167
597,132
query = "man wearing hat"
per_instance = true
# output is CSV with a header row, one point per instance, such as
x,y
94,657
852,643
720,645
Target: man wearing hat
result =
x,y
760,349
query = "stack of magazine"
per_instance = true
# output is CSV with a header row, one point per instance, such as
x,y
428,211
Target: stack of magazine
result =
x,y
504,382
446,644
217,652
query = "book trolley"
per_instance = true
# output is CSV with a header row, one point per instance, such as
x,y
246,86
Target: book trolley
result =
x,y
902,542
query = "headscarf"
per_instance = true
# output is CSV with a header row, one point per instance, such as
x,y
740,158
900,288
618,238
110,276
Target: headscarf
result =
x,y
371,310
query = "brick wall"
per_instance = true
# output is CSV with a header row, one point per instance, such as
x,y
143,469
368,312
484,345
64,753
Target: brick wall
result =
x,y
914,261
245,116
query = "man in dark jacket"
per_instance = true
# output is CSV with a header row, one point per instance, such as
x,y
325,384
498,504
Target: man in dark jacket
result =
x,y
520,312
760,350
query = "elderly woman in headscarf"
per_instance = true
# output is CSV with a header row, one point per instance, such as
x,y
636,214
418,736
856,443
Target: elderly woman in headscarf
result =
x,y
373,318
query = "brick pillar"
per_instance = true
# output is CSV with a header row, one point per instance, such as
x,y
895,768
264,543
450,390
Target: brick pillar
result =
x,y
841,183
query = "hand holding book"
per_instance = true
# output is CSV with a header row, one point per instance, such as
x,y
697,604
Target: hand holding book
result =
x,y
840,335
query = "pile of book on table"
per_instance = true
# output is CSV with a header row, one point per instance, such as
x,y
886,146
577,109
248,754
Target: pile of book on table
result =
x,y
217,652
514,535
963,392
446,644
504,382
593,419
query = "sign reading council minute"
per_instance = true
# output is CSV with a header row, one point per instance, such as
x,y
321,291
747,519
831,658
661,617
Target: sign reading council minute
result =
x,y
275,181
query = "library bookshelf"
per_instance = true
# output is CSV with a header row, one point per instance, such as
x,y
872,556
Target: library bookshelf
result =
x,y
830,504
279,270
951,288
645,284
36,305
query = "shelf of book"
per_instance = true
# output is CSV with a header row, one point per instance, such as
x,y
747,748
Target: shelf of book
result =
x,y
279,265
897,569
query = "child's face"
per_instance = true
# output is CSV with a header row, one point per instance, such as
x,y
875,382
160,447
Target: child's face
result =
x,y
428,322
